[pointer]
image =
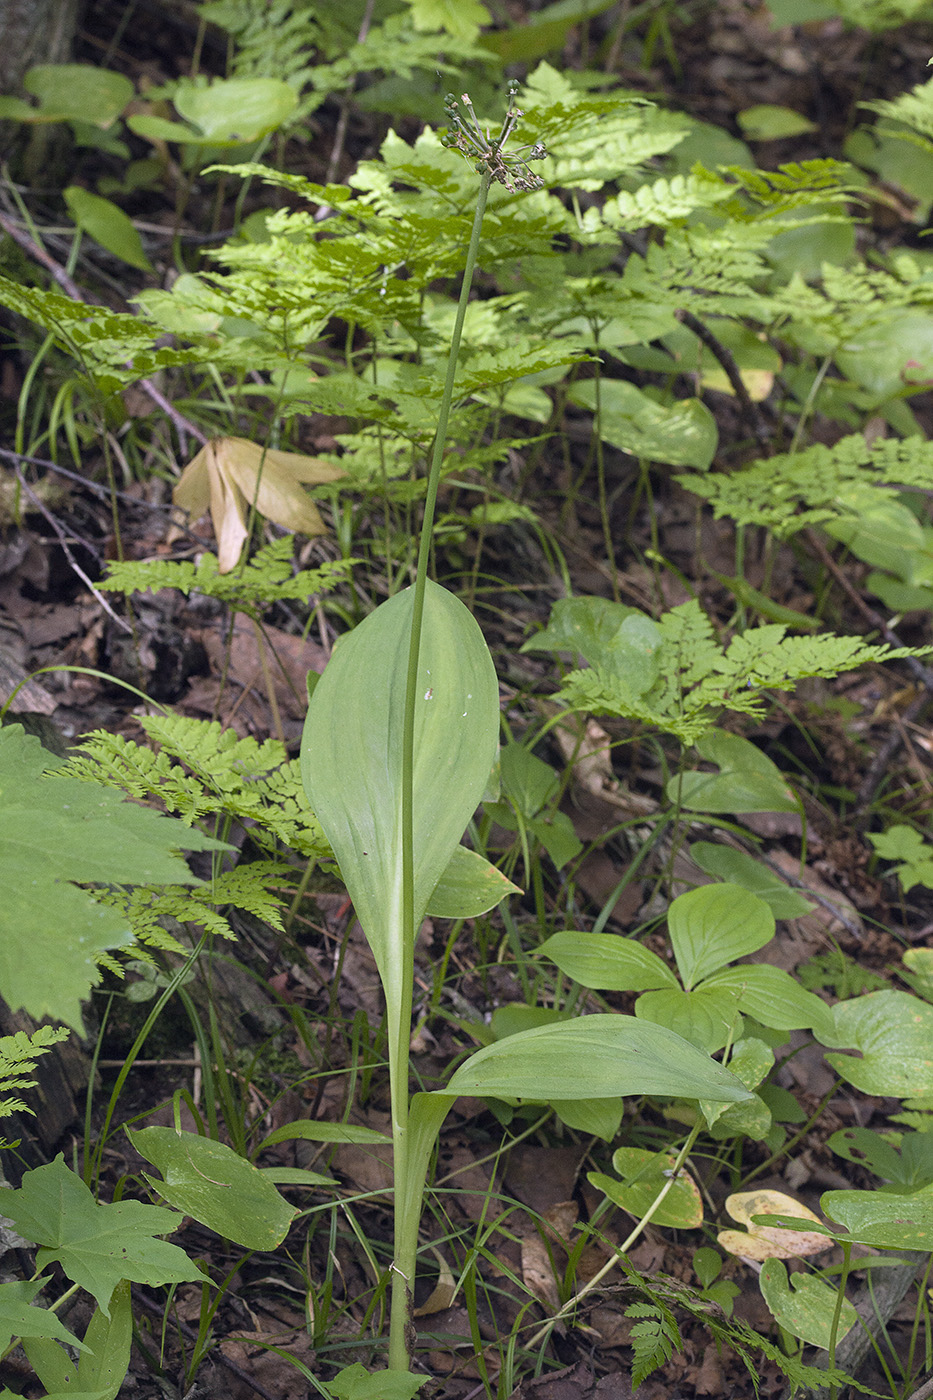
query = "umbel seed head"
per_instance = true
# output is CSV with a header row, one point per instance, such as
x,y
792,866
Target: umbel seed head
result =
x,y
488,153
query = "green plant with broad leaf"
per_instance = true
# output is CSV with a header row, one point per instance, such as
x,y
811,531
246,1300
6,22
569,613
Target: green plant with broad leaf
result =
x,y
399,743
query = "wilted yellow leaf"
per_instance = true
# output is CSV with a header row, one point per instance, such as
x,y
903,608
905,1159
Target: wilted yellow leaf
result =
x,y
769,1241
230,473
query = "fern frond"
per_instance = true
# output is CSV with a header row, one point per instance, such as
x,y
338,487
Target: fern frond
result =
x,y
201,770
18,1055
696,678
654,1340
267,577
251,887
914,109
795,490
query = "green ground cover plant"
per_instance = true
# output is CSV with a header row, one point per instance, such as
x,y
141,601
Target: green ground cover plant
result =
x,y
401,753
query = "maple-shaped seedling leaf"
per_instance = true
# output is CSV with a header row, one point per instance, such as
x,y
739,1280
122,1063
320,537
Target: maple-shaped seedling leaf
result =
x,y
57,834
96,1244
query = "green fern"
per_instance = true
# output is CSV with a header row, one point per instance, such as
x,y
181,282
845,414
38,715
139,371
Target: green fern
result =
x,y
914,109
674,674
654,1340
267,578
202,770
147,909
796,490
102,341
18,1055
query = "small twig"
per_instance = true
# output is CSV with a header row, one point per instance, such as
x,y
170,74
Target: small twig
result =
x,y
183,426
924,1391
752,411
63,541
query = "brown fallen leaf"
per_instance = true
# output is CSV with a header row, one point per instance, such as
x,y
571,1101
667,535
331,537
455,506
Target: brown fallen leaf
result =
x,y
229,474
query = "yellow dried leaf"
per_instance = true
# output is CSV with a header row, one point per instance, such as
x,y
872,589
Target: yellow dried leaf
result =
x,y
443,1293
769,1241
229,474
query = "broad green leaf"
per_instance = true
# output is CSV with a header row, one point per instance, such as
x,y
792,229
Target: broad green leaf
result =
x,y
470,886
75,92
19,1319
894,349
236,109
747,780
221,1189
751,1120
356,1383
558,836
351,758
97,1245
644,1175
739,868
880,529
683,434
108,225
518,1016
909,1166
919,962
109,1339
766,122
882,1220
228,112
527,780
606,962
584,626
893,1031
55,830
713,925
773,997
596,1117
708,1019
598,1056
805,1306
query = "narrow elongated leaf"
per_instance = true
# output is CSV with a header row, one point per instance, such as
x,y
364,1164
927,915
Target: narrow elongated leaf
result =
x,y
351,756
596,1057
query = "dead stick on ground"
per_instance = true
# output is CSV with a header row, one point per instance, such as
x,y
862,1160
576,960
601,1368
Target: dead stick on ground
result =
x,y
183,426
753,412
